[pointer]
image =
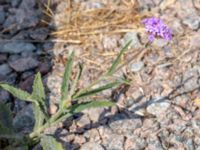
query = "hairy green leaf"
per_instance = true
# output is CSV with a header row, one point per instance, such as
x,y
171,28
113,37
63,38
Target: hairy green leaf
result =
x,y
40,108
97,90
66,78
87,105
93,104
50,143
38,88
117,61
6,127
39,116
75,81
22,95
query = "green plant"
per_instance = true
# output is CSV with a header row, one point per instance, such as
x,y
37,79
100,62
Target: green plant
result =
x,y
66,108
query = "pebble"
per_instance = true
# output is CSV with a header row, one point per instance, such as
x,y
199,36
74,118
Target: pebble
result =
x,y
27,83
53,109
123,125
91,146
2,16
146,4
137,66
135,143
17,47
160,42
94,114
192,23
3,58
195,40
83,121
189,145
24,120
92,135
135,40
158,108
39,34
109,43
154,143
15,3
24,17
23,64
4,96
5,69
114,142
44,67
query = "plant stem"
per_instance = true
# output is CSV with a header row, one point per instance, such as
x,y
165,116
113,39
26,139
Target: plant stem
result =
x,y
49,123
89,86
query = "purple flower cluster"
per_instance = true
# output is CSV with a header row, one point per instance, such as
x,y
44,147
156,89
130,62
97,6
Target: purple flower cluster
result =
x,y
157,28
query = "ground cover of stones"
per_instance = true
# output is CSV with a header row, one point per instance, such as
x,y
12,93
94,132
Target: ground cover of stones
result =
x,y
158,111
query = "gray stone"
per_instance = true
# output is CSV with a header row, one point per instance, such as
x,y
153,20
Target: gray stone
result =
x,y
157,108
114,142
15,3
195,40
190,77
9,79
95,113
25,16
24,120
4,96
111,140
137,66
135,143
23,64
83,121
91,146
192,22
160,42
154,144
39,34
189,145
123,125
5,69
91,5
146,4
2,16
92,135
109,43
135,40
17,47
3,57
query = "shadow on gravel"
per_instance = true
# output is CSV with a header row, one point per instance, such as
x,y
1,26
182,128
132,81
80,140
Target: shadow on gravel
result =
x,y
122,114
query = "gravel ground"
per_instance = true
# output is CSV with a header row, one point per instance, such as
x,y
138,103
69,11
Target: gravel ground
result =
x,y
156,112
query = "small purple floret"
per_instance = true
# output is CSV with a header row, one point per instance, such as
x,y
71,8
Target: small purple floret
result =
x,y
157,28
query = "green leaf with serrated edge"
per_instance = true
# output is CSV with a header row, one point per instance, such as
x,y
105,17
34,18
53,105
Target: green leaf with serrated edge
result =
x,y
117,61
75,81
80,107
98,90
50,143
66,77
38,88
40,109
93,104
38,92
20,94
39,95
39,117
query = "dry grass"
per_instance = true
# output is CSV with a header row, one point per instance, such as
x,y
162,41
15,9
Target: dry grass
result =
x,y
80,24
